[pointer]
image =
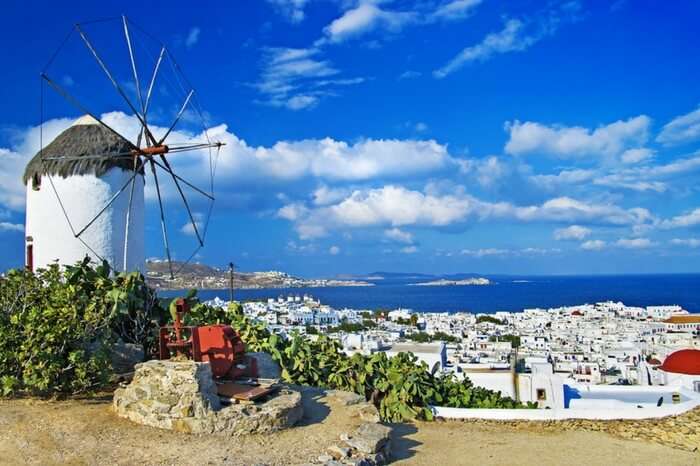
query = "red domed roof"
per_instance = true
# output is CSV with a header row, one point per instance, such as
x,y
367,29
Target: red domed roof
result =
x,y
685,361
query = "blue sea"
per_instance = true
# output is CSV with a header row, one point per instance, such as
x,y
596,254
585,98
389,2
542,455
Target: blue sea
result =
x,y
509,293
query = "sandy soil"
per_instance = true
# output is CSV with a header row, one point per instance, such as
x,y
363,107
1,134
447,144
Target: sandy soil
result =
x,y
86,432
447,443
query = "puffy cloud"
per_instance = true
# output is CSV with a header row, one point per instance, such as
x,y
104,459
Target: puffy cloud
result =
x,y
396,206
365,17
593,245
681,130
7,226
188,228
334,250
574,232
325,195
329,159
639,155
409,250
575,141
649,178
244,172
689,242
635,243
396,234
689,219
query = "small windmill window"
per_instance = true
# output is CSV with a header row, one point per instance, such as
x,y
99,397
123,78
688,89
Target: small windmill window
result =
x,y
36,182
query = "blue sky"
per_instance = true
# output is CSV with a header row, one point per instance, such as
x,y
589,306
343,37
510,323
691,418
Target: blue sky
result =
x,y
432,136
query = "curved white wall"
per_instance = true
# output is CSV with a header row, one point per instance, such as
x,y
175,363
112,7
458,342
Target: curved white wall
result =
x,y
83,196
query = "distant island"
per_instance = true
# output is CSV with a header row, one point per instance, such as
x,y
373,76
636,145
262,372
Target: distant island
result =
x,y
195,275
480,281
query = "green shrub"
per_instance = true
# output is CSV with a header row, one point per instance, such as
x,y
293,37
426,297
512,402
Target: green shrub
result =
x,y
56,326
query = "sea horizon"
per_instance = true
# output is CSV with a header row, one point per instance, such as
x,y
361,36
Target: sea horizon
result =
x,y
513,293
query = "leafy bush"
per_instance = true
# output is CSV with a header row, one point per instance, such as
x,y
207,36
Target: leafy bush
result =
x,y
489,319
422,337
56,326
400,387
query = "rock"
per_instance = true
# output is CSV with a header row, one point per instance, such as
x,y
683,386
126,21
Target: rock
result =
x,y
267,367
181,395
366,412
338,452
369,438
346,398
325,458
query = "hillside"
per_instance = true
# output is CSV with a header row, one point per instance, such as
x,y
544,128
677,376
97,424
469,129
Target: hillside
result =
x,y
202,276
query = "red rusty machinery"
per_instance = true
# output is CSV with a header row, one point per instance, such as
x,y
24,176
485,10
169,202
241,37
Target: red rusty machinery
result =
x,y
219,345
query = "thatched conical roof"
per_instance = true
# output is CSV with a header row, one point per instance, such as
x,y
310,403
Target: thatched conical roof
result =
x,y
86,137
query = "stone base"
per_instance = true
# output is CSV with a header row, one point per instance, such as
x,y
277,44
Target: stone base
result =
x,y
181,396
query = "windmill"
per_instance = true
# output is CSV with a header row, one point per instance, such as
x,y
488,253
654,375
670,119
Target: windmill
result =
x,y
95,170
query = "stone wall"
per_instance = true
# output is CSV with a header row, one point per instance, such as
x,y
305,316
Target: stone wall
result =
x,y
181,396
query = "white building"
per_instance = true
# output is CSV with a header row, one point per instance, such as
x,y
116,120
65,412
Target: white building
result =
x,y
84,187
430,353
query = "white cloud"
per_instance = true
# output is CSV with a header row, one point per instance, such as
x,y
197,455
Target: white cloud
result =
x,y
575,141
409,250
484,252
455,9
252,169
573,232
410,74
689,219
293,10
681,130
650,178
7,226
517,35
325,195
188,227
334,250
635,243
396,206
396,234
593,245
496,252
365,17
192,37
689,242
639,155
509,39
296,78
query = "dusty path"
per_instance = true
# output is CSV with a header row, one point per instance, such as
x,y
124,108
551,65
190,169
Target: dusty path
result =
x,y
435,444
86,432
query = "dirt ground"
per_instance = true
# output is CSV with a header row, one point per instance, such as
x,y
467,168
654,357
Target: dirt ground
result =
x,y
87,432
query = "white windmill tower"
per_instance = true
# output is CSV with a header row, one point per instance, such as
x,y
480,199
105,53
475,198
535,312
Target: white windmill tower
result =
x,y
85,189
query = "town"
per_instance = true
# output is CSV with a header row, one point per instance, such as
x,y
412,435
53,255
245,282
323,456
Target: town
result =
x,y
606,343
